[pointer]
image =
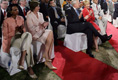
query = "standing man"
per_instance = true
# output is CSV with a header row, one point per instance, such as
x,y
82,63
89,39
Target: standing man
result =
x,y
3,15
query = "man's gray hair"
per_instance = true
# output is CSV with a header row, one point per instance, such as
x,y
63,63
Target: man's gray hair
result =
x,y
74,2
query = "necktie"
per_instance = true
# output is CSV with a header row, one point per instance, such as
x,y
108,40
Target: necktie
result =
x,y
4,13
77,12
56,15
24,12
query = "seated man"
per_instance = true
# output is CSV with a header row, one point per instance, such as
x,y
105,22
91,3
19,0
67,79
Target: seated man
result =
x,y
56,18
102,21
76,24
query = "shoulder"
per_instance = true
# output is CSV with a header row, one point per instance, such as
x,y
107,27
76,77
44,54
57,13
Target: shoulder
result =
x,y
39,13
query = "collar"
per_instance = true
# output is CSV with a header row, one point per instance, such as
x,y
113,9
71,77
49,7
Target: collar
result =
x,y
74,8
3,10
22,7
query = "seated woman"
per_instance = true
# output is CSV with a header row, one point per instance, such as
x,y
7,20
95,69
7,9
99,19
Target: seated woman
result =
x,y
14,35
36,26
88,15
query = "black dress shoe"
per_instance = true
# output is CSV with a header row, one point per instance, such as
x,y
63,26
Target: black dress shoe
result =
x,y
109,37
106,38
89,53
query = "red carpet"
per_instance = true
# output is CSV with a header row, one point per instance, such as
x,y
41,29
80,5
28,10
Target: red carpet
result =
x,y
79,66
112,30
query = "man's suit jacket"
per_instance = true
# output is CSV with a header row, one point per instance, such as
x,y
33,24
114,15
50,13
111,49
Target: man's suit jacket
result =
x,y
97,10
1,22
2,18
44,10
53,19
116,10
108,7
74,23
21,12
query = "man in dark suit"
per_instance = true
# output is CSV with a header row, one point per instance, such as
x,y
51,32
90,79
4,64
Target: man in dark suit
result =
x,y
3,14
44,9
23,9
56,18
76,24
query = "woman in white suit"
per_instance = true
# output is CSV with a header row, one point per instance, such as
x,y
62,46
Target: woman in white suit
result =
x,y
36,26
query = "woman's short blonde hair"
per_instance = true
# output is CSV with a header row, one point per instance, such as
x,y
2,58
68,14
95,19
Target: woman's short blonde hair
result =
x,y
86,2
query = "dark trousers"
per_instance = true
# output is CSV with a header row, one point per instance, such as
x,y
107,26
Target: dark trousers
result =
x,y
87,28
0,37
55,26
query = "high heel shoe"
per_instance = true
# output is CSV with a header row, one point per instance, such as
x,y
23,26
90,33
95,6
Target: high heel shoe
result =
x,y
20,66
33,76
47,59
50,67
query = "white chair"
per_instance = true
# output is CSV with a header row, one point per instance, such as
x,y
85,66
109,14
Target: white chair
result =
x,y
61,31
115,22
76,42
9,61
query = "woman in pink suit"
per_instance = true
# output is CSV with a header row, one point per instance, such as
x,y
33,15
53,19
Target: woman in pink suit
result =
x,y
88,15
36,26
14,35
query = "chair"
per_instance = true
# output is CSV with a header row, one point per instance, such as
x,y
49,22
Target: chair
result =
x,y
115,22
9,61
76,42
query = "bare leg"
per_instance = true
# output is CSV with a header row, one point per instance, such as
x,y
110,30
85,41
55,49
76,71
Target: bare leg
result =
x,y
96,44
51,46
22,58
48,46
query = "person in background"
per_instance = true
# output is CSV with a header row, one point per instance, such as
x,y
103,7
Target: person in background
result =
x,y
14,35
64,2
36,26
99,16
88,15
44,9
67,5
3,11
23,9
115,16
56,18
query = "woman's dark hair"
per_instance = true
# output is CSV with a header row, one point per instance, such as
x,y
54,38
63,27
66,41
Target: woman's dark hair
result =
x,y
33,5
9,9
10,2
